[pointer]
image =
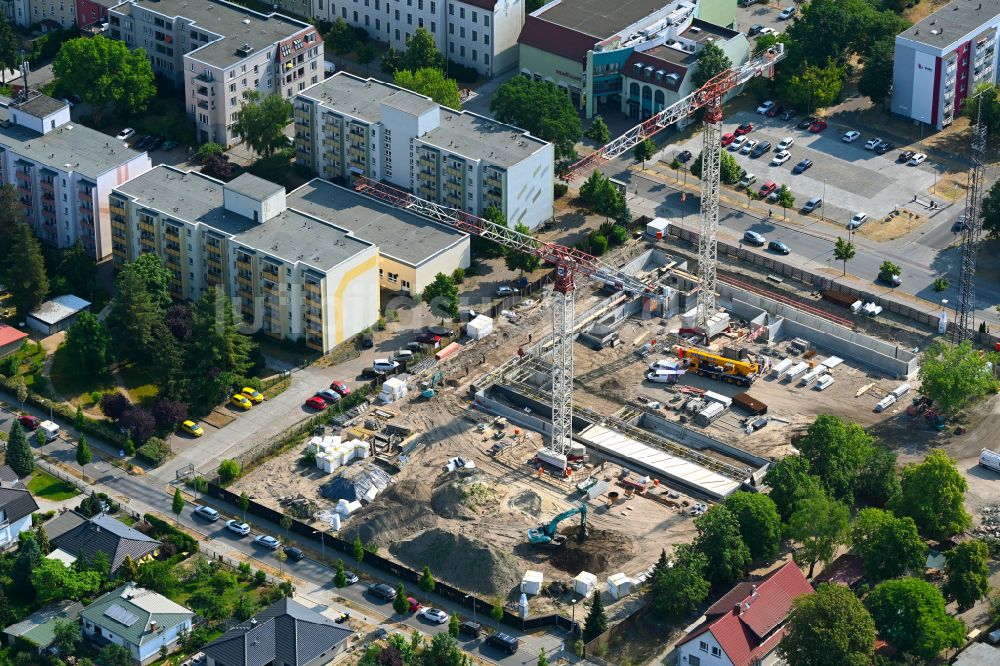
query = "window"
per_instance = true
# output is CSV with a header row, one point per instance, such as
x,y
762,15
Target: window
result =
x,y
486,39
393,277
451,46
451,9
716,652
703,646
397,14
475,17
475,36
461,12
461,32
486,58
451,28
486,20
693,660
433,7
475,55
461,51
434,27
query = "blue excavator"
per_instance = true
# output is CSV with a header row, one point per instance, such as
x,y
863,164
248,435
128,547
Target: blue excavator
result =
x,y
547,535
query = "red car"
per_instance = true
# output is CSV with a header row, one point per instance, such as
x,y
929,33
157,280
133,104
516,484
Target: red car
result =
x,y
728,138
745,128
768,187
428,338
28,422
340,387
774,110
316,403
818,126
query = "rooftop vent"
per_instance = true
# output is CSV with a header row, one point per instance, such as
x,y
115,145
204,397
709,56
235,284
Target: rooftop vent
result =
x,y
244,50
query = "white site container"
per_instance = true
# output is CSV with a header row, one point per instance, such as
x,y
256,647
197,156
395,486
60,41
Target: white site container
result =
x,y
657,228
619,585
360,448
885,403
315,445
585,583
811,375
796,370
392,390
723,400
901,390
531,583
713,411
479,327
823,382
781,368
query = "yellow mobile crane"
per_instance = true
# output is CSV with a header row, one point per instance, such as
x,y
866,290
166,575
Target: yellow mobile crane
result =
x,y
718,367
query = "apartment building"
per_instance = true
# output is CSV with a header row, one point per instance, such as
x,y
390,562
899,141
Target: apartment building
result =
x,y
63,172
50,14
481,34
637,59
347,125
217,51
940,61
93,12
291,275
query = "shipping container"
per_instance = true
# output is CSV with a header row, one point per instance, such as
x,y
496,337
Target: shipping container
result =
x,y
901,390
747,403
839,298
832,362
811,375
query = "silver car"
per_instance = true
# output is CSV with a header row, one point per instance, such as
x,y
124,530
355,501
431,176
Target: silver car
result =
x,y
240,528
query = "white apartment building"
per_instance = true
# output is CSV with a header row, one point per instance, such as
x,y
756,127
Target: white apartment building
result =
x,y
347,125
63,172
217,51
475,33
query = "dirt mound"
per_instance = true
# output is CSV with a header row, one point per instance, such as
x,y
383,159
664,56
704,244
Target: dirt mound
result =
x,y
465,495
612,384
527,501
404,508
601,552
448,501
466,563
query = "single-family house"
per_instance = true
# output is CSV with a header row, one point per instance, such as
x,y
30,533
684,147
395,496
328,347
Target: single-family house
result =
x,y
77,535
11,339
285,633
16,507
39,627
745,626
138,619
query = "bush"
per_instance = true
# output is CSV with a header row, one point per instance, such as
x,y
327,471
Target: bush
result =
x,y
559,190
462,73
260,577
598,244
168,413
114,405
164,531
154,451
228,470
207,150
139,423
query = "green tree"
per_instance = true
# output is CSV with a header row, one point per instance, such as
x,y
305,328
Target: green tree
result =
x,y
889,546
542,109
956,376
910,614
43,540
720,542
286,523
244,502
598,131
25,278
432,82
105,71
678,590
260,122
875,82
730,170
340,574
820,524
760,524
523,262
341,38
11,218
543,659
785,199
837,451
442,296
10,46
453,628
815,86
76,272
427,582
79,419
19,455
21,392
878,481
128,570
244,608
177,506
887,270
967,572
399,603
986,95
422,52
788,479
496,612
443,651
83,455
391,61
843,251
216,349
644,150
228,470
933,494
828,628
88,346
281,556
359,549
66,633
134,317
29,555
113,654
54,580
712,60
600,195
596,622
366,54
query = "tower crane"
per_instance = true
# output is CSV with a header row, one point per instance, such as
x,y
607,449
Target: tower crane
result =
x,y
571,262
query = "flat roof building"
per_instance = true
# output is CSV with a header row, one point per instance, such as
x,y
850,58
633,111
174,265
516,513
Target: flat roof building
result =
x,y
57,314
347,125
940,60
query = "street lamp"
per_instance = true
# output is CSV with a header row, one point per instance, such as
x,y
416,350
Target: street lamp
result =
x,y
822,208
469,596
322,542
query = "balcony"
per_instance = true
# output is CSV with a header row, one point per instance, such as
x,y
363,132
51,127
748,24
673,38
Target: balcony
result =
x,y
454,171
205,77
494,181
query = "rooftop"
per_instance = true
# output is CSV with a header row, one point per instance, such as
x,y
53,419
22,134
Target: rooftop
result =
x,y
130,612
15,500
254,187
290,236
10,335
409,102
78,535
59,308
476,137
71,147
236,25
354,96
952,22
978,654
601,18
39,106
400,235
39,627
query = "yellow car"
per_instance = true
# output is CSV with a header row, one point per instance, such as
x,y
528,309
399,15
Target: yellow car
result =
x,y
192,428
240,401
255,396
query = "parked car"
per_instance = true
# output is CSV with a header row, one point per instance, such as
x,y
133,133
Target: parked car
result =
x,y
192,428
788,114
812,204
238,526
316,403
206,512
502,641
470,628
768,187
403,355
806,122
436,615
787,13
253,395
428,338
857,220
872,144
293,553
382,591
125,134
267,541
241,401
506,290
747,180
350,577
959,224
140,143
154,143
778,246
683,156
744,128
780,157
340,387
748,146
414,604
28,422
329,396
918,158
754,29
773,196
851,136
385,365
818,126
785,143
892,280
905,156
765,107
737,143
728,138
760,149
885,147
754,238
774,111
168,145
802,166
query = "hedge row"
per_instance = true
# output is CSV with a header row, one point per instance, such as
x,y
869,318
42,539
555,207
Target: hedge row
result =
x,y
164,531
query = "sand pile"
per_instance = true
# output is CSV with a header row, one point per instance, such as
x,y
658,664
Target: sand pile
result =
x,y
526,501
466,563
602,551
399,512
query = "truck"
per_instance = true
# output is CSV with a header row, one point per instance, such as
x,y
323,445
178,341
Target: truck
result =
x,y
719,368
50,429
990,460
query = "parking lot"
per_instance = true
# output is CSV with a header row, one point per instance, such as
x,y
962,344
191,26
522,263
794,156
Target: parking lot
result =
x,y
847,176
761,14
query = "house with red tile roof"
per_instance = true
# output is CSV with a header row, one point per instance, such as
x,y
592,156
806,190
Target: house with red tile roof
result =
x,y
10,339
745,626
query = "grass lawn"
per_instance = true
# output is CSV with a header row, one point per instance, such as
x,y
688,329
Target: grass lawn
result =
x,y
75,389
43,484
193,586
139,385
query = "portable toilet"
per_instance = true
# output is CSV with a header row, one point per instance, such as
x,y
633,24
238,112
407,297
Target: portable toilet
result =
x,y
585,583
531,583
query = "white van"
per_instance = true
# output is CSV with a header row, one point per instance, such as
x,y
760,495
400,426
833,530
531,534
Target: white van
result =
x,y
988,459
50,429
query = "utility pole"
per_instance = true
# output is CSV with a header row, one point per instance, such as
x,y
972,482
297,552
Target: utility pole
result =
x,y
965,306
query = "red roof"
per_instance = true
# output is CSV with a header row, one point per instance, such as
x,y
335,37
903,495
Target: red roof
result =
x,y
556,39
756,628
9,335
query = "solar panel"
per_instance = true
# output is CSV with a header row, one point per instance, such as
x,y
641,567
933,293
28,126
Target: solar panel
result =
x,y
119,614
